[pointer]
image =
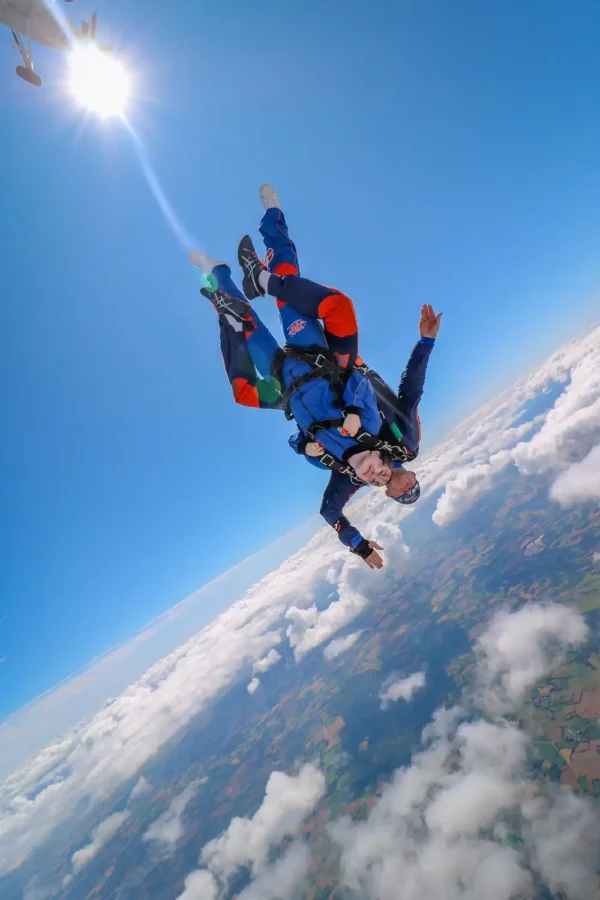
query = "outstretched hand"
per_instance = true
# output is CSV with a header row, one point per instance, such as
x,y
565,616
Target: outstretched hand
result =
x,y
374,560
430,323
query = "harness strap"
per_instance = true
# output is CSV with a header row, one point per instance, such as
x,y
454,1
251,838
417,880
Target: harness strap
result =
x,y
320,425
323,364
320,372
332,462
397,452
364,438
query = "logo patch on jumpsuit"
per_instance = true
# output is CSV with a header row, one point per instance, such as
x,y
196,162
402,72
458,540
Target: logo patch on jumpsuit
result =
x,y
296,327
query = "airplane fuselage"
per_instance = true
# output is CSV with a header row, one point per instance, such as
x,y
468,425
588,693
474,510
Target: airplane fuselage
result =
x,y
33,19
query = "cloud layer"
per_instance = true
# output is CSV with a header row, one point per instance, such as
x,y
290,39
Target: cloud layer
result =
x,y
564,440
356,585
464,820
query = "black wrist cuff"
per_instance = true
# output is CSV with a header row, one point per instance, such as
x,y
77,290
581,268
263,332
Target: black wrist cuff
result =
x,y
352,409
363,549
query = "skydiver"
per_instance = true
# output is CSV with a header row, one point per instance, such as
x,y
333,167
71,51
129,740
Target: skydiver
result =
x,y
344,410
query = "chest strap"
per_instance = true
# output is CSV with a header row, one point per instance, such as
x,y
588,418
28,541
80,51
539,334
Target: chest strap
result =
x,y
336,465
323,364
397,452
366,440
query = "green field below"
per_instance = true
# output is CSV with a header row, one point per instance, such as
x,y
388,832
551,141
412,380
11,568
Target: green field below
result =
x,y
586,594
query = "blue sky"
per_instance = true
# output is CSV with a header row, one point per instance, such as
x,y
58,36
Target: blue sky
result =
x,y
429,152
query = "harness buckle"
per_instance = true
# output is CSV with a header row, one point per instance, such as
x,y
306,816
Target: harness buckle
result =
x,y
362,437
322,362
327,459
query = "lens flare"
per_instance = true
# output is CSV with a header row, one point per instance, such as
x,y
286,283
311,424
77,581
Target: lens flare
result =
x,y
98,82
179,230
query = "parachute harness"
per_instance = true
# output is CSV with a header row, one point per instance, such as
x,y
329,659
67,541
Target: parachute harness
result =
x,y
323,364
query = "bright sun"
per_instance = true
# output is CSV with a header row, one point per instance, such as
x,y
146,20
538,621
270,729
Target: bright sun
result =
x,y
98,81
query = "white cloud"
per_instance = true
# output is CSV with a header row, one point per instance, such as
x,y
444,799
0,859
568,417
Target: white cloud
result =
x,y
464,820
284,880
167,830
519,648
466,487
263,665
199,885
356,585
101,835
596,557
341,645
301,620
141,787
247,842
288,800
579,482
35,891
402,689
253,685
564,842
428,833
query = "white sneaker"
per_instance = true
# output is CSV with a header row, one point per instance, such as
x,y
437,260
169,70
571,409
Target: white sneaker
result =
x,y
269,196
204,261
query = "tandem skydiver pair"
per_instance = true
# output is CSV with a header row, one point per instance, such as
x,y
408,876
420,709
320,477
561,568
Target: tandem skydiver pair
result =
x,y
349,419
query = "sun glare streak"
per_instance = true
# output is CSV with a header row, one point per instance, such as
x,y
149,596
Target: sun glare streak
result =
x,y
179,230
101,83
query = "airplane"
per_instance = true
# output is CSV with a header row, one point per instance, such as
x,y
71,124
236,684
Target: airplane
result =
x,y
33,20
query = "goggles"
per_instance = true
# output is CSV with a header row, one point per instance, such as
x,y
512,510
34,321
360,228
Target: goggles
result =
x,y
410,496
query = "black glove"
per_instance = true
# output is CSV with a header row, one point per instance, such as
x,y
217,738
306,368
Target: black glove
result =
x,y
363,549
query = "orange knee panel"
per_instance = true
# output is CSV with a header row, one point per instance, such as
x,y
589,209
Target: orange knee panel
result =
x,y
285,268
245,393
338,315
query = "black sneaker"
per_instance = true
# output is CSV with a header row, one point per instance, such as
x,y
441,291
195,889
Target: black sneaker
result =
x,y
252,266
225,303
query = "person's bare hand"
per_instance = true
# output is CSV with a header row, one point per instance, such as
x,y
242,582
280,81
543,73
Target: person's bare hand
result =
x,y
374,560
430,323
313,448
351,424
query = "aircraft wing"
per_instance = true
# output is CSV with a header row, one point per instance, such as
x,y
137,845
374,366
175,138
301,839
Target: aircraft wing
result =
x,y
33,19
